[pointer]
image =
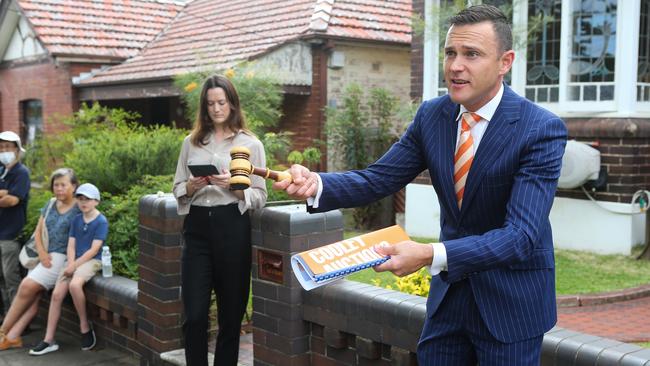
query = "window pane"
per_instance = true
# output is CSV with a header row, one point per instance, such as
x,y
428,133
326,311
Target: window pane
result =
x,y
644,43
590,92
555,94
643,74
593,41
607,92
530,93
543,53
32,119
574,93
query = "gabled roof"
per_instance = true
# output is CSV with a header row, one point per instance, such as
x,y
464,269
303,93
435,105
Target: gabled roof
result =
x,y
85,28
208,34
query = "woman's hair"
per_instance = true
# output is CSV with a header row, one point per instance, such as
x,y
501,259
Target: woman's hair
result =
x,y
203,125
62,172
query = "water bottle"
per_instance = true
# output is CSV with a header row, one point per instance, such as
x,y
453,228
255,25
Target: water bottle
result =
x,y
107,267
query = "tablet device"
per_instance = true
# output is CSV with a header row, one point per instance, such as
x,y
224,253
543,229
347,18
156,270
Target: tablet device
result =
x,y
203,170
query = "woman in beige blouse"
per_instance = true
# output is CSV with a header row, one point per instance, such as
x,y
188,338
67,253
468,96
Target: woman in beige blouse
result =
x,y
217,251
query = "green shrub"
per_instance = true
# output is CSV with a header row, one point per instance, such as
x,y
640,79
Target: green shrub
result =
x,y
116,159
360,131
122,213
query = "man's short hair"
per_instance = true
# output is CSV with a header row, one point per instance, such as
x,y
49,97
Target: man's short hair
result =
x,y
482,13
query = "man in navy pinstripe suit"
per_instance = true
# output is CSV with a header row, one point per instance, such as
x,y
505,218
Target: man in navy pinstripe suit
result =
x,y
492,294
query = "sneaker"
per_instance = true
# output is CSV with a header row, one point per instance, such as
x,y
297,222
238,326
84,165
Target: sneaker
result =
x,y
88,339
43,348
6,343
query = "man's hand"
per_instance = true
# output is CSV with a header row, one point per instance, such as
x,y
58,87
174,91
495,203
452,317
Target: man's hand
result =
x,y
3,192
303,186
405,257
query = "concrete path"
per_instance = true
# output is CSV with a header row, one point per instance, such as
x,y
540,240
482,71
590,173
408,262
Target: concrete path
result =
x,y
69,353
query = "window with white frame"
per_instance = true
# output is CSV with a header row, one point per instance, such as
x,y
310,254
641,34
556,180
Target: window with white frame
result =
x,y
571,50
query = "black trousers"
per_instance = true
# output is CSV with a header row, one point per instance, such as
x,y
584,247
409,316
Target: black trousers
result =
x,y
216,256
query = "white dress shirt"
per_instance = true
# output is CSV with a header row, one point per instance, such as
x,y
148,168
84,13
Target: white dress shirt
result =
x,y
439,262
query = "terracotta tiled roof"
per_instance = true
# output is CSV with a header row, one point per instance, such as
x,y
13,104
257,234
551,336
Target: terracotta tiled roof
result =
x,y
379,20
208,34
113,28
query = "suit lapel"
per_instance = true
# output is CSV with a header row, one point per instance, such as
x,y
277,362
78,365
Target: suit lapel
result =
x,y
496,137
448,133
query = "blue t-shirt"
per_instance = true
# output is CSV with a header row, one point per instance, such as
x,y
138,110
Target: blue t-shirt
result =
x,y
58,227
17,183
85,233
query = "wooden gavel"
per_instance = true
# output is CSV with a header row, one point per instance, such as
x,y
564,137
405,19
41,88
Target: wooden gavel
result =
x,y
241,168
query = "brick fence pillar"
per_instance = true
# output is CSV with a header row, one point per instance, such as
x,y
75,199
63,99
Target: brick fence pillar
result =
x,y
280,335
159,295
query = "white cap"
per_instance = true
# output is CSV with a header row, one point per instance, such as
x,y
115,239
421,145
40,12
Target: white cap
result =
x,y
11,136
88,190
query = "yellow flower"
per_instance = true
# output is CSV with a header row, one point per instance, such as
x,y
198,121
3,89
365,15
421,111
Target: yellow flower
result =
x,y
191,86
250,74
229,73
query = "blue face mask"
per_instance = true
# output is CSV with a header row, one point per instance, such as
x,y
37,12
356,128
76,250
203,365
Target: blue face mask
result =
x,y
7,157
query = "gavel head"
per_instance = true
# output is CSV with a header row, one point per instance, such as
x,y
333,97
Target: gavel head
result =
x,y
240,168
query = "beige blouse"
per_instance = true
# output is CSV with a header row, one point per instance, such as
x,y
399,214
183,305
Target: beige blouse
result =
x,y
218,154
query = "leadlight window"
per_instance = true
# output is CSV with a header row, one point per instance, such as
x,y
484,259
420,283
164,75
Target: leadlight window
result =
x,y
543,51
593,48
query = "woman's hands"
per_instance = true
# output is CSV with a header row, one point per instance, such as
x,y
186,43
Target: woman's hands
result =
x,y
194,184
220,180
45,258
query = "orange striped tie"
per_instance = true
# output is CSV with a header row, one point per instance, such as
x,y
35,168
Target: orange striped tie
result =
x,y
464,154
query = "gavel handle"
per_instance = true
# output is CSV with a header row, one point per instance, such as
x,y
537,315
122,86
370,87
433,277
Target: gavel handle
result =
x,y
272,174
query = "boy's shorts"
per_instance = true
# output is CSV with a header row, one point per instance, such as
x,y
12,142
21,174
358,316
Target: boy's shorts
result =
x,y
47,277
85,271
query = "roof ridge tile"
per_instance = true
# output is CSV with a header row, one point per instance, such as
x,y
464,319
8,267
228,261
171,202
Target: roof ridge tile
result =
x,y
320,18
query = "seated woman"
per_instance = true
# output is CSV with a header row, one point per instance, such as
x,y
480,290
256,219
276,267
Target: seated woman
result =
x,y
24,307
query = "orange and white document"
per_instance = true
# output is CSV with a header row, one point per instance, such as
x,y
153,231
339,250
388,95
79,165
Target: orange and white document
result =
x,y
319,266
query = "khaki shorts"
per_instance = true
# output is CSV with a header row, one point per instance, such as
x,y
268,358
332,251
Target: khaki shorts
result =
x,y
85,271
47,277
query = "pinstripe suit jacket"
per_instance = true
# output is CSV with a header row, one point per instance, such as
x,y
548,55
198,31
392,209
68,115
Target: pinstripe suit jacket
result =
x,y
500,241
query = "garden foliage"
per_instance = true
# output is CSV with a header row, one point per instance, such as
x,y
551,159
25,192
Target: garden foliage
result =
x,y
359,132
126,160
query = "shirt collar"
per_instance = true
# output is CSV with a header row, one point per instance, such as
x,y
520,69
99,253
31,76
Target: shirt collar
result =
x,y
487,111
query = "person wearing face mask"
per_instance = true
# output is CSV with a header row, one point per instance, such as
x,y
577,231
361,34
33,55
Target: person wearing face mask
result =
x,y
14,194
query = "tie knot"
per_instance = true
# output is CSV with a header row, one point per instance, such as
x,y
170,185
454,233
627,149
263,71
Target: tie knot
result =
x,y
469,120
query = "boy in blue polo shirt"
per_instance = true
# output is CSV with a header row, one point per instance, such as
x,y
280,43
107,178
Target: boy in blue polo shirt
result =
x,y
88,231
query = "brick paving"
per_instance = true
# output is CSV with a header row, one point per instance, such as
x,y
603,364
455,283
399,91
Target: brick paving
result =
x,y
625,321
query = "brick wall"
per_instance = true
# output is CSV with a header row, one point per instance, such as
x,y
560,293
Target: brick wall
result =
x,y
624,145
144,317
417,57
370,66
112,308
42,80
304,115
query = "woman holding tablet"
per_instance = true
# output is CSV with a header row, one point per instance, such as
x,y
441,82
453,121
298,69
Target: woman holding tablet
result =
x,y
217,252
